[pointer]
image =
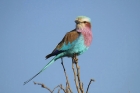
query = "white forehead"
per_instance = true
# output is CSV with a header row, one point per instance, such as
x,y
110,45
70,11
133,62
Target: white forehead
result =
x,y
83,18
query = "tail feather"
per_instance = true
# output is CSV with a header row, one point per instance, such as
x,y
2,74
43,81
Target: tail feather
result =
x,y
52,61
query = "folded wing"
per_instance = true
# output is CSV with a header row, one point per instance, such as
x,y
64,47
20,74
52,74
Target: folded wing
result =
x,y
66,43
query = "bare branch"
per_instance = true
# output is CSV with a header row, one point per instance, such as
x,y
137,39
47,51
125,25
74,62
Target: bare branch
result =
x,y
82,85
75,79
89,84
58,91
55,88
78,76
67,81
43,86
79,85
62,88
75,60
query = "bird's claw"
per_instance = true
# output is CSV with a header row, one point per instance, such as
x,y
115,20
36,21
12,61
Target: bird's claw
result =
x,y
75,59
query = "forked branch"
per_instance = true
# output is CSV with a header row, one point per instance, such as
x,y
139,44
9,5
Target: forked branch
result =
x,y
77,79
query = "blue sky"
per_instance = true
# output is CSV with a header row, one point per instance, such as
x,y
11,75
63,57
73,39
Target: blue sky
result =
x,y
30,29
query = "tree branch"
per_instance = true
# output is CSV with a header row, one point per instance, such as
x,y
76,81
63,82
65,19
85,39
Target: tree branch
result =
x,y
79,85
51,91
43,86
55,88
78,76
67,81
89,84
58,91
62,88
75,79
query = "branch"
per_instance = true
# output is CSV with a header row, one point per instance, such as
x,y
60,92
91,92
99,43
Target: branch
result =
x,y
43,86
75,79
78,76
67,81
51,91
58,91
62,88
89,84
55,88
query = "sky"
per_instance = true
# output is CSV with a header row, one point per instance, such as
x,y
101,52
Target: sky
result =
x,y
30,29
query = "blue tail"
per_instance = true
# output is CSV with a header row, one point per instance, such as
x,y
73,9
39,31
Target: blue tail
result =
x,y
52,61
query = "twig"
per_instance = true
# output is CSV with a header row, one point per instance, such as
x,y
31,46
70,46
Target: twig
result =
x,y
67,81
43,86
89,84
55,88
78,76
75,59
51,91
61,87
58,91
75,76
82,85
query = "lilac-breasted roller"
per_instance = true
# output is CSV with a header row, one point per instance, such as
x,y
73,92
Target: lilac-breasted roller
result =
x,y
74,42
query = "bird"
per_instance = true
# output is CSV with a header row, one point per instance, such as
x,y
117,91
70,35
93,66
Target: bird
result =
x,y
73,44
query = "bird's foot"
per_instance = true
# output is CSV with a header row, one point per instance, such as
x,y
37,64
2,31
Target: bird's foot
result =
x,y
75,59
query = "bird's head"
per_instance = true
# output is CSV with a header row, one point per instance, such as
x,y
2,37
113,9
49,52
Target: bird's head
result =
x,y
82,22
84,27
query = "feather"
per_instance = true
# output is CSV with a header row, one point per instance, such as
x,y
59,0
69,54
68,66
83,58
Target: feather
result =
x,y
66,43
46,66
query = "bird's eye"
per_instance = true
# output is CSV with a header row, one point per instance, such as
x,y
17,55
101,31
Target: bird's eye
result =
x,y
84,22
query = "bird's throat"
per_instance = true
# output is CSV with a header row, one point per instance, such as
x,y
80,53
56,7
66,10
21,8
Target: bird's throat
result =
x,y
87,34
